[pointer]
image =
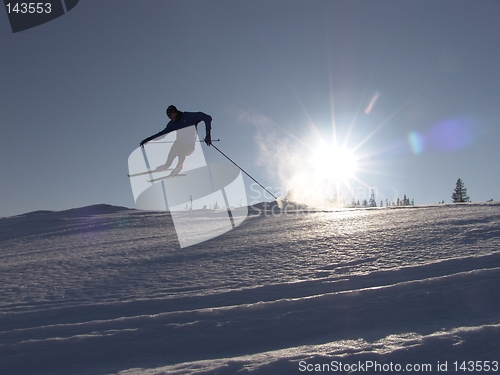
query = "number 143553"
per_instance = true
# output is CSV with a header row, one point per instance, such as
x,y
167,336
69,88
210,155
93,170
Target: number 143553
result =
x,y
29,8
476,366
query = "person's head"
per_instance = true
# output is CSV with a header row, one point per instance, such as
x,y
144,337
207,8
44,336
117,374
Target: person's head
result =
x,y
172,112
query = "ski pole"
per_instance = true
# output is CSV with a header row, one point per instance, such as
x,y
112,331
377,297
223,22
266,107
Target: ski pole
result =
x,y
213,140
227,157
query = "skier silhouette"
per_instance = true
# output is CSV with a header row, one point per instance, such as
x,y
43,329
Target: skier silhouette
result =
x,y
186,126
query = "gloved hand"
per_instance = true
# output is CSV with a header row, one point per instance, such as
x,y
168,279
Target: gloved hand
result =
x,y
208,138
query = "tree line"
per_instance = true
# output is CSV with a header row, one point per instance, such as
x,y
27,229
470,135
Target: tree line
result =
x,y
459,196
372,202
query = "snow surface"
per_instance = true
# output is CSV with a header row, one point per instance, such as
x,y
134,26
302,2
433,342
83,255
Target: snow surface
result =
x,y
107,290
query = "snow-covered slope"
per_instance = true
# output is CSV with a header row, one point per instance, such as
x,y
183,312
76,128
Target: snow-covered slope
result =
x,y
106,290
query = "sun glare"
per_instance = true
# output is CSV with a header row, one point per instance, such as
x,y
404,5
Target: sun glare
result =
x,y
334,164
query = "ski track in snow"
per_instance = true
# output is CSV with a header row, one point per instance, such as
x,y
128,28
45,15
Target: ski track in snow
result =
x,y
107,290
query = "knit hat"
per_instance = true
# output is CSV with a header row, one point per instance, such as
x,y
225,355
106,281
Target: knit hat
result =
x,y
171,109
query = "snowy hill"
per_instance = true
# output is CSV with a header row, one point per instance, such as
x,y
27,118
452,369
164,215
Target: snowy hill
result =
x,y
107,290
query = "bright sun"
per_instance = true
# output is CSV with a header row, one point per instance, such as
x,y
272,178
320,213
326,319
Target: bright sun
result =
x,y
334,164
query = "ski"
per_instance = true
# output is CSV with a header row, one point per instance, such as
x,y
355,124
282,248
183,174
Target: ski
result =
x,y
165,177
147,172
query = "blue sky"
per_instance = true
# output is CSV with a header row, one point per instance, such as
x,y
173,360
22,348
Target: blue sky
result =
x,y
279,78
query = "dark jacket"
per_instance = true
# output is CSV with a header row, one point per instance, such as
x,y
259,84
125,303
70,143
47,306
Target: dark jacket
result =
x,y
186,119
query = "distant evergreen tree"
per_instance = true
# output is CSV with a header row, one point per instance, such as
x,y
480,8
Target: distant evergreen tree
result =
x,y
460,193
372,202
406,201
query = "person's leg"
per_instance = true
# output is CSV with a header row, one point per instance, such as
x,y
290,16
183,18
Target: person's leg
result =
x,y
180,164
183,152
174,150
